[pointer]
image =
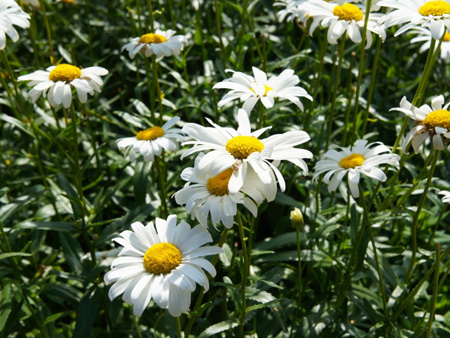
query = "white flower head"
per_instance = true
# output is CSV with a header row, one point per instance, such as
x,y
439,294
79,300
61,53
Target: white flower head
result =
x,y
292,9
151,142
345,18
11,14
362,158
241,148
433,14
250,89
162,263
57,82
446,196
161,43
207,194
431,122
424,35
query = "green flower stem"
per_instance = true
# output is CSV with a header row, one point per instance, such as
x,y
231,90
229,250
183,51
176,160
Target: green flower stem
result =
x,y
300,270
150,13
79,184
335,90
305,34
194,317
244,274
375,253
157,88
416,217
372,84
438,223
362,51
49,32
219,31
162,188
136,324
435,289
138,12
261,115
151,93
178,325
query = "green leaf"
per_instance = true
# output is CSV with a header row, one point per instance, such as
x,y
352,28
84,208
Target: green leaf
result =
x,y
217,328
54,226
13,254
5,305
87,311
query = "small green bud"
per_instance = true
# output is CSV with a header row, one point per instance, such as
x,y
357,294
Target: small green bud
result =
x,y
297,218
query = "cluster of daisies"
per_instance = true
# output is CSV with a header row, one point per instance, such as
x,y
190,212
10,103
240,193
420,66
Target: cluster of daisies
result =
x,y
427,19
164,261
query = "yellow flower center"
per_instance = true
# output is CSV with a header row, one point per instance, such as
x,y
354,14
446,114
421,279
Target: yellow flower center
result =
x,y
266,87
348,12
242,146
152,38
150,134
352,161
162,258
438,118
218,185
446,37
65,73
435,8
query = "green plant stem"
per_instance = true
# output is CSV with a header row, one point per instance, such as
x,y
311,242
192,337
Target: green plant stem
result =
x,y
362,50
335,90
375,253
372,85
194,317
261,115
417,214
178,325
162,188
151,92
136,325
435,289
219,31
49,32
157,88
244,274
151,16
299,275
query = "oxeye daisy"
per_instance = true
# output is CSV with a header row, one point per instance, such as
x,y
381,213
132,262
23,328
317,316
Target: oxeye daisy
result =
x,y
424,35
292,9
11,15
207,194
241,148
161,43
362,158
162,263
433,14
344,18
250,89
151,142
57,82
431,122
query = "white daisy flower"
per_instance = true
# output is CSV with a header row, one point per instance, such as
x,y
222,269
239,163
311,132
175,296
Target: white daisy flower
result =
x,y
431,122
151,142
292,9
162,263
241,148
362,158
446,196
206,194
57,82
424,35
346,18
11,15
251,89
161,43
433,14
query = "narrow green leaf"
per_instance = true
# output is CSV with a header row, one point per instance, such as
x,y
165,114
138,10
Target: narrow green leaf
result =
x,y
13,254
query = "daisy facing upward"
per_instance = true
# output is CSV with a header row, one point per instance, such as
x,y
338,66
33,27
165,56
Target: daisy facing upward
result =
x,y
163,263
240,149
57,82
362,158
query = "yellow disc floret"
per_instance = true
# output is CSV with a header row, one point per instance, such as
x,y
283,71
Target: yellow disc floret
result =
x,y
438,118
162,258
352,161
218,185
348,12
266,88
65,73
152,38
446,37
435,8
242,146
150,134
